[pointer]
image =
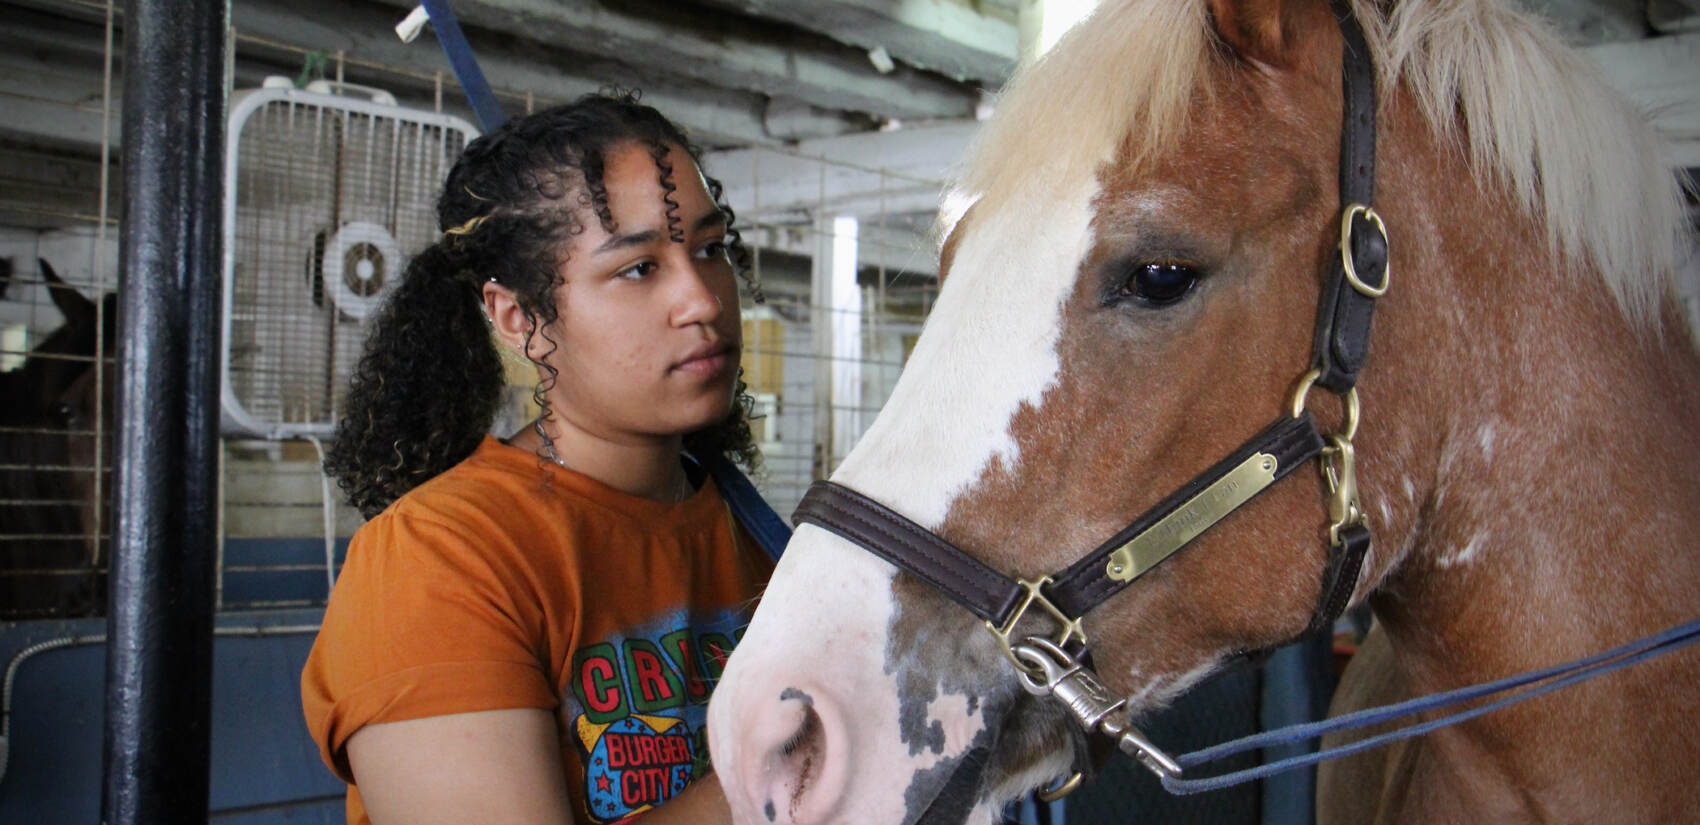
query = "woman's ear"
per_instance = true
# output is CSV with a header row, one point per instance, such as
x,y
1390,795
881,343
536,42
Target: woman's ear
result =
x,y
507,317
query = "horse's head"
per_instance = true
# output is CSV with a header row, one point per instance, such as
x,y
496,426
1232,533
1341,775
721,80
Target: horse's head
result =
x,y
1132,294
66,354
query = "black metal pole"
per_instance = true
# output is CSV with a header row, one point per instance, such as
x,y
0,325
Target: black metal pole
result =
x,y
159,650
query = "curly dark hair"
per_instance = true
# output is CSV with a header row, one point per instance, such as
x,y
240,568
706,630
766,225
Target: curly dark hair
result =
x,y
429,383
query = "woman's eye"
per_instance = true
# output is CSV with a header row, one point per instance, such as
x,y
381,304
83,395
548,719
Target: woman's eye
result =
x,y
637,271
712,249
1159,285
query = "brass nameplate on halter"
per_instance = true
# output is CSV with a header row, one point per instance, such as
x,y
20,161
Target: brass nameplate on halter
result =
x,y
1145,550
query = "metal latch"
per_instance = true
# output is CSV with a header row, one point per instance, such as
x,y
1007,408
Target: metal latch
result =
x,y
1088,700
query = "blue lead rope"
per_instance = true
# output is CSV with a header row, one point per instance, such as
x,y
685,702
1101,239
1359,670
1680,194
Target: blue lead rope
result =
x,y
465,66
1544,681
749,508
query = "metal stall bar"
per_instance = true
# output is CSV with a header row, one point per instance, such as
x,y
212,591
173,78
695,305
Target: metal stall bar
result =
x,y
160,618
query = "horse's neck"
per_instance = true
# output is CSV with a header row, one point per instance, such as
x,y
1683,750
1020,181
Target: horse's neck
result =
x,y
1545,494
1564,494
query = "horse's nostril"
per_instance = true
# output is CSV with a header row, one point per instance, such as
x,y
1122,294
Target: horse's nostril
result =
x,y
787,763
803,750
800,753
808,730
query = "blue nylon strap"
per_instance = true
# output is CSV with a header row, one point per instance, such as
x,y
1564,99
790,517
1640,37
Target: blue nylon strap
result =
x,y
749,508
1555,677
465,66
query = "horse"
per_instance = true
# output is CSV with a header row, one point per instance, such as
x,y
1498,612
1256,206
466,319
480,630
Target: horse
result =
x,y
1131,291
51,558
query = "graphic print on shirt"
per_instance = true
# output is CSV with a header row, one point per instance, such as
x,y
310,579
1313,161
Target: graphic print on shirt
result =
x,y
637,709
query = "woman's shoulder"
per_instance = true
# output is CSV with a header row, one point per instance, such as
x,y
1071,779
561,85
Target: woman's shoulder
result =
x,y
495,476
496,493
492,512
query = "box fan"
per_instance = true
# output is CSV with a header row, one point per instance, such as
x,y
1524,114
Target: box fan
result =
x,y
328,192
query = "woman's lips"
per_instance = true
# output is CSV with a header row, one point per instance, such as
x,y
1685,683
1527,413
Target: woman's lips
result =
x,y
707,363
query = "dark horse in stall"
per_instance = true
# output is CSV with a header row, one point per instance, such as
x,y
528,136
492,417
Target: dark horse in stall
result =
x,y
54,494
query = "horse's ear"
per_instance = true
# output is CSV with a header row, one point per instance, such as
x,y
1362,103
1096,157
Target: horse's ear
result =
x,y
1254,29
66,297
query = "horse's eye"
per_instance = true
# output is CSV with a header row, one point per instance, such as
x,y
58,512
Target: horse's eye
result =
x,y
1159,285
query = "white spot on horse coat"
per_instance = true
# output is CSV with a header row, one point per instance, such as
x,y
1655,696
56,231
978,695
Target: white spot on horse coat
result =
x,y
1465,554
1485,437
956,719
1163,689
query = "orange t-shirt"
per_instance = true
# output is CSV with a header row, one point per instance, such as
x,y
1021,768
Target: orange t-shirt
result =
x,y
508,582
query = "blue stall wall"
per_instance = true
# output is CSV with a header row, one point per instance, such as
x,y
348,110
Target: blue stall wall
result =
x,y
264,767
260,573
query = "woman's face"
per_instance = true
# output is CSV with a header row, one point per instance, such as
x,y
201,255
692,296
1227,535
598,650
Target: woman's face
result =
x,y
648,327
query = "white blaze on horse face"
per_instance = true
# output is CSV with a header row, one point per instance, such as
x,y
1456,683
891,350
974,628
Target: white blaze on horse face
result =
x,y
989,346
823,626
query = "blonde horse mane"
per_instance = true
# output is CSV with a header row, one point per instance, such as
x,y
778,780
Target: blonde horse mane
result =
x,y
1529,113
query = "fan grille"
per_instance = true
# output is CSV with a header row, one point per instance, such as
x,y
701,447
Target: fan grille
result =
x,y
328,204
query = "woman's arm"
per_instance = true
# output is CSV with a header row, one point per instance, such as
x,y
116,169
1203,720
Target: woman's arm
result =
x,y
701,802
501,767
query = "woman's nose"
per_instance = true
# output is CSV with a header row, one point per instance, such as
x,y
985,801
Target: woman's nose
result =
x,y
695,300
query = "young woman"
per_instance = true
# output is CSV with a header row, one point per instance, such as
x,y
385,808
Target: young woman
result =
x,y
526,631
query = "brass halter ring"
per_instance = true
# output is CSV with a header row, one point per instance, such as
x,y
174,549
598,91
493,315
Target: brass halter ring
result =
x,y
1348,399
1062,788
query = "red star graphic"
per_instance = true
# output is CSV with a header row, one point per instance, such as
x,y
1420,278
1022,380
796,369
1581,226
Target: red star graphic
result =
x,y
603,785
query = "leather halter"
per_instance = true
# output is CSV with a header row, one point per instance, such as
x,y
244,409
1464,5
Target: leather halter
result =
x,y
1356,278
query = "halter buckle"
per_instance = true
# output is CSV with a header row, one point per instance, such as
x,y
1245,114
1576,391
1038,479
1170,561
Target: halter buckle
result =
x,y
1071,629
1351,266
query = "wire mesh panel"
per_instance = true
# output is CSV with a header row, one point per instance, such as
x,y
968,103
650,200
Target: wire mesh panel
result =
x,y
846,261
328,197
58,331
55,431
